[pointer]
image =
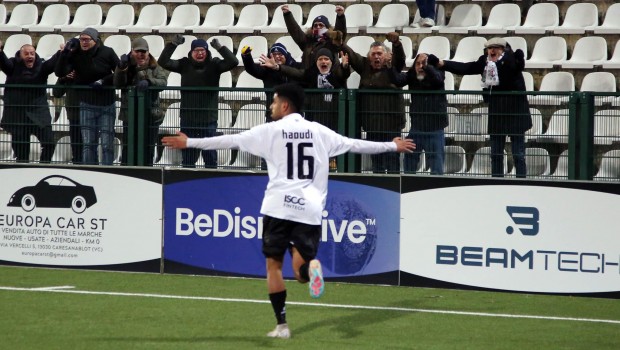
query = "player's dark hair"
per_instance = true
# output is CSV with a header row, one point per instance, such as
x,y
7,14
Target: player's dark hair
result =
x,y
293,93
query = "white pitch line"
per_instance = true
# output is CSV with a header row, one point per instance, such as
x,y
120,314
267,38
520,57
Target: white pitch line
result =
x,y
340,306
53,288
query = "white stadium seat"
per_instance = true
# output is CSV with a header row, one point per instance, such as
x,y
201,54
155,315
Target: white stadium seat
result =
x,y
252,17
589,51
327,10
184,16
258,43
599,82
53,15
291,47
470,48
217,16
152,15
464,18
501,17
611,23
156,44
540,17
392,17
86,15
560,82
548,50
609,169
360,44
359,16
22,16
614,60
557,131
436,45
49,44
119,16
578,17
277,24
120,43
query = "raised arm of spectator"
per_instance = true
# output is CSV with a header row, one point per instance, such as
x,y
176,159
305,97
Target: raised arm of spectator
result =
x,y
165,57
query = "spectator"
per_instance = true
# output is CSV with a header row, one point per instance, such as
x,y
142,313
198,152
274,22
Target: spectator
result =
x,y
509,115
382,116
198,107
297,169
72,106
270,77
319,36
428,113
139,69
427,13
26,111
94,65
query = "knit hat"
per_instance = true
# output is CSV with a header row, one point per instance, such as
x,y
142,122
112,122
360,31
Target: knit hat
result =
x,y
139,44
321,19
495,42
279,47
91,32
200,43
324,52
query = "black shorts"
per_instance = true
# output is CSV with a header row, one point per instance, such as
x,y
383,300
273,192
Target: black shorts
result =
x,y
280,235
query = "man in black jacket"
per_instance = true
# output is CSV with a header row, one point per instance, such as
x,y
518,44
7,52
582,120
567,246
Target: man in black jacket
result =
x,y
26,110
198,107
428,113
94,66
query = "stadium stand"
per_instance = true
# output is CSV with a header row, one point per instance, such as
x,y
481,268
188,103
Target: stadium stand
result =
x,y
578,17
277,24
217,16
588,52
440,21
501,17
152,15
22,16
465,17
118,17
359,16
609,169
252,17
548,50
392,17
53,16
183,17
540,17
85,16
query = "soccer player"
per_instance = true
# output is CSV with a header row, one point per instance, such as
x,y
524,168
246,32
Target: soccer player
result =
x,y
297,153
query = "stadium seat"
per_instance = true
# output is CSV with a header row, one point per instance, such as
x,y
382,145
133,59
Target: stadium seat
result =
x,y
606,127
258,43
217,16
392,17
528,78
291,47
440,21
578,17
49,44
354,80
249,115
540,18
560,82
471,126
609,170
119,16
537,162
501,17
85,16
469,49
245,80
464,18
151,15
436,45
548,50
454,160
557,132
207,2
2,14
517,42
252,17
537,125
120,43
225,40
614,60
599,82
561,169
481,164
14,42
172,120
611,23
327,10
277,24
35,149
62,152
62,123
6,151
448,82
156,44
359,16
184,16
183,49
407,47
53,15
468,83
588,52
450,130
22,16
360,44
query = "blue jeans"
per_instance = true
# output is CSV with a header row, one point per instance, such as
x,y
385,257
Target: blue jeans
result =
x,y
190,155
498,142
96,122
432,142
427,8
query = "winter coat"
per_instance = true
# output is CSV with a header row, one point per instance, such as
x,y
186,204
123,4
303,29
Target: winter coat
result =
x,y
309,45
380,112
198,106
26,102
98,63
154,74
508,114
428,112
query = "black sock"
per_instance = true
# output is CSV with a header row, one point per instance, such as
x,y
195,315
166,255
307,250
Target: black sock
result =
x,y
303,272
278,302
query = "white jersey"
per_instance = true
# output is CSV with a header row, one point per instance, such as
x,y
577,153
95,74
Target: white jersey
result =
x,y
297,153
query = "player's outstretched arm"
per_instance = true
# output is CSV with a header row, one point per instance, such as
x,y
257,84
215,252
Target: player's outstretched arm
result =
x,y
176,142
404,145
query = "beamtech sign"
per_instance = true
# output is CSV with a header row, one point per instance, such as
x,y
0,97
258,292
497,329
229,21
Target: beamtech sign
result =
x,y
521,238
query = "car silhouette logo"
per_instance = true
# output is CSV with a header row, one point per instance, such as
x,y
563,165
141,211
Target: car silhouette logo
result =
x,y
54,191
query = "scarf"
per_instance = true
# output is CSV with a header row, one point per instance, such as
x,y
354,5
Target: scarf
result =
x,y
490,76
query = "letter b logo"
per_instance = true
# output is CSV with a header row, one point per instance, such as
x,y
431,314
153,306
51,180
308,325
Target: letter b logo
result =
x,y
525,218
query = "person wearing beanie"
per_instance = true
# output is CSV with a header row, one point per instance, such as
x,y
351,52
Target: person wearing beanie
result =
x,y
199,109
509,115
93,64
320,35
382,116
26,111
298,168
139,69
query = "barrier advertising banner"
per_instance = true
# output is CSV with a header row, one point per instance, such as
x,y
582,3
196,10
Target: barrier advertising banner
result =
x,y
107,218
213,225
529,236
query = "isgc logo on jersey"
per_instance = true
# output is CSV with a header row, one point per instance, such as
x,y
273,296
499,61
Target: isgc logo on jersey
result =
x,y
294,202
